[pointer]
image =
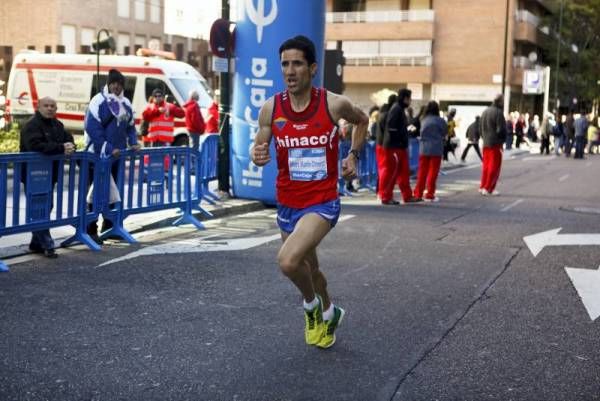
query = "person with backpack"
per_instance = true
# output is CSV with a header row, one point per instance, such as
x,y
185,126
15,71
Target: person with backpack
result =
x,y
473,136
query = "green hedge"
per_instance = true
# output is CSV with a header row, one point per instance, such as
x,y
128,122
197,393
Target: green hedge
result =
x,y
9,140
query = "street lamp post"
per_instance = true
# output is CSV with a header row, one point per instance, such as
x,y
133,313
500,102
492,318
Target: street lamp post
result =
x,y
558,45
97,84
505,57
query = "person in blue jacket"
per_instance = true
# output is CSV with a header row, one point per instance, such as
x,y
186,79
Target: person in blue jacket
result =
x,y
109,128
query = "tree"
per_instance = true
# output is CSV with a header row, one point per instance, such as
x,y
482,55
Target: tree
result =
x,y
579,53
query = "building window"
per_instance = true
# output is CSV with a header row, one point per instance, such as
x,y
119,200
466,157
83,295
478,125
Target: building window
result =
x,y
123,42
140,9
155,11
123,8
87,37
68,38
140,41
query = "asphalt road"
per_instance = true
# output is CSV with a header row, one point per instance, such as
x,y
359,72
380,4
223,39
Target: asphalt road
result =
x,y
444,302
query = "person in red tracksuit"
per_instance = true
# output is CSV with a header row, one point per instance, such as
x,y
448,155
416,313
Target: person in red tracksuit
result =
x,y
161,119
493,133
395,144
379,131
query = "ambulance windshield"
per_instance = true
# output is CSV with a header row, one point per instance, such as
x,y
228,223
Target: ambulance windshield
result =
x,y
184,86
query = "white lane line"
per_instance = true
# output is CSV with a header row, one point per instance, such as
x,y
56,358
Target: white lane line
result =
x,y
564,177
538,158
510,206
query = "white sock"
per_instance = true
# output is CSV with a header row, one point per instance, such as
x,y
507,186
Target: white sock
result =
x,y
328,314
312,304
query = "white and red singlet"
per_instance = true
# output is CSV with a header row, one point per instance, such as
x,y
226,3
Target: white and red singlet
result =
x,y
307,151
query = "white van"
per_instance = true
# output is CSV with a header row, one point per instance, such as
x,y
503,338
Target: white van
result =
x,y
70,80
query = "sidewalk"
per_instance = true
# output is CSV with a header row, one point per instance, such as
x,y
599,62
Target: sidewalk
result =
x,y
17,245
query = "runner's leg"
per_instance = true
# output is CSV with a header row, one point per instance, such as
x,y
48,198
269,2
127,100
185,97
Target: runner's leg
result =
x,y
297,246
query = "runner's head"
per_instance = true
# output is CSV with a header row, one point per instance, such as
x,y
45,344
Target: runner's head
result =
x,y
298,63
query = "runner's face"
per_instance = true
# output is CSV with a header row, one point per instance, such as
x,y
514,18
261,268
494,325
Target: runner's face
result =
x,y
297,74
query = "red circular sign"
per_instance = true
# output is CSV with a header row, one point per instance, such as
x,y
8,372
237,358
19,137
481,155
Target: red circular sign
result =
x,y
221,38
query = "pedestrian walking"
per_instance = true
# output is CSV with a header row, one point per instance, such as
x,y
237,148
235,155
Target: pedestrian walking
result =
x,y
581,128
545,132
161,116
592,136
450,140
46,134
569,127
559,135
493,132
473,136
109,128
307,162
431,149
194,122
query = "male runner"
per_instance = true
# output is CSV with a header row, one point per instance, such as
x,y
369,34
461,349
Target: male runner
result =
x,y
303,121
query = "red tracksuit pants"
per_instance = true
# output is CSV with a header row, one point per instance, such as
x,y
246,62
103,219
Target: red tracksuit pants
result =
x,y
429,168
395,169
490,172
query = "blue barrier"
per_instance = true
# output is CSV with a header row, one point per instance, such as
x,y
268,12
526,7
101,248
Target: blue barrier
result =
x,y
208,166
344,149
413,154
147,180
367,167
41,194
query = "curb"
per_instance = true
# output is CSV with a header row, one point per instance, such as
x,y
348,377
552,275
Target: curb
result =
x,y
250,206
220,210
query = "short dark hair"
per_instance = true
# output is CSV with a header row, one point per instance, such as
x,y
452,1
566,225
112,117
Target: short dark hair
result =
x,y
302,43
403,94
432,109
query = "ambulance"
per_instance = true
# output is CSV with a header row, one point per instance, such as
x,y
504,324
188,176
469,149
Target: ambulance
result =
x,y
70,80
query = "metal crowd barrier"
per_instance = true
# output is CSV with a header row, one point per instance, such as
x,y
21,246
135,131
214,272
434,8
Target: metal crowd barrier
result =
x,y
367,165
147,180
209,149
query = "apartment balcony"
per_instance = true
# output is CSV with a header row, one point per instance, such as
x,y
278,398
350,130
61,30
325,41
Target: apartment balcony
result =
x,y
528,29
378,25
382,70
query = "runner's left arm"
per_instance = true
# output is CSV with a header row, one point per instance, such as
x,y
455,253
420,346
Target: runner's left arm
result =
x,y
342,107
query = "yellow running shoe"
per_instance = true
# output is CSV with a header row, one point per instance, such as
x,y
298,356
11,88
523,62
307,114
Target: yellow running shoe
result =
x,y
314,329
328,338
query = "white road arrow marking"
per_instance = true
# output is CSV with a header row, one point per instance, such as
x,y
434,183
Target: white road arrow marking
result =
x,y
539,241
198,245
195,245
587,284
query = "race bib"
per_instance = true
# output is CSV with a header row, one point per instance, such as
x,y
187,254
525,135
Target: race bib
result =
x,y
307,164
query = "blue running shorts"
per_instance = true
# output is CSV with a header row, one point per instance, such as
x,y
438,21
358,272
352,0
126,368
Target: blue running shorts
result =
x,y
288,217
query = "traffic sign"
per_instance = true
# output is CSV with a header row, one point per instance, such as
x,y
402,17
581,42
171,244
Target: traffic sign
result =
x,y
221,38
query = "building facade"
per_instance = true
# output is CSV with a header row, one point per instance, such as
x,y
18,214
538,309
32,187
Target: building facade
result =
x,y
451,51
68,26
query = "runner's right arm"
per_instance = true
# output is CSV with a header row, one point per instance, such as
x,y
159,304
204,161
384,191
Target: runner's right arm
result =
x,y
260,151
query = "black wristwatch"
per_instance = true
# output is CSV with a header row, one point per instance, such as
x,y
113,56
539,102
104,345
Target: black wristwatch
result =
x,y
355,152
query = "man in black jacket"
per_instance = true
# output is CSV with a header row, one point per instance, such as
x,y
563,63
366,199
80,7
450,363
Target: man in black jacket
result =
x,y
473,135
493,132
395,144
44,133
